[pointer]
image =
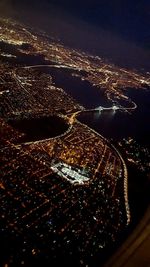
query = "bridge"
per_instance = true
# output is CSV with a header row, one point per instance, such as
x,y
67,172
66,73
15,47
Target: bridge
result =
x,y
100,108
114,108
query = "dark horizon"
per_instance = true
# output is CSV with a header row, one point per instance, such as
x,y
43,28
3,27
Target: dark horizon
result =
x,y
129,19
116,31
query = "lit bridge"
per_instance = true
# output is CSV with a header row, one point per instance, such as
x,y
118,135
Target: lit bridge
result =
x,y
114,108
100,108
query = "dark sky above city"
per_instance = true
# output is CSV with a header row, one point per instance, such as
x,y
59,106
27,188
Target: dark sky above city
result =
x,y
114,28
130,18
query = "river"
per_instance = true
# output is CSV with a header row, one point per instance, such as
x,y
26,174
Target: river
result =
x,y
111,124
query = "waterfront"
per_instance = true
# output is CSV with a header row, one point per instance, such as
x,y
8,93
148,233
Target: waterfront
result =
x,y
54,211
115,125
81,91
112,124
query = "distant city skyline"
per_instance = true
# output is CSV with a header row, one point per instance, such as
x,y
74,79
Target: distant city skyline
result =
x,y
130,19
112,29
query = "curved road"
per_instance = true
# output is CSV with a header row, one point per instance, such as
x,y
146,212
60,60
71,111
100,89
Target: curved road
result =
x,y
99,109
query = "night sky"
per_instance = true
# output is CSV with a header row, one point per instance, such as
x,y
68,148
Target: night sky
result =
x,y
130,18
117,30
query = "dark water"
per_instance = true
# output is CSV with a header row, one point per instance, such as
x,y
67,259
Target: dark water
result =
x,y
21,58
39,128
81,91
118,125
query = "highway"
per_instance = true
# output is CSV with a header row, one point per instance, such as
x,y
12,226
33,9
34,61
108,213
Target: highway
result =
x,y
71,122
128,215
53,66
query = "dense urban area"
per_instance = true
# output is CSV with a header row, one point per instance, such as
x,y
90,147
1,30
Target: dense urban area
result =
x,y
64,187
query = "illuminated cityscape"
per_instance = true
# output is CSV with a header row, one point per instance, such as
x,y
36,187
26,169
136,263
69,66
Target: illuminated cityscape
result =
x,y
64,187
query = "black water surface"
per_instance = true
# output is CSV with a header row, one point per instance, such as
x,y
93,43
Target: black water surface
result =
x,y
20,58
35,129
82,91
118,125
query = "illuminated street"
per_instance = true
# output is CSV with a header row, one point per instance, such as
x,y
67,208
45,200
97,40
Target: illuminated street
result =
x,y
64,187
